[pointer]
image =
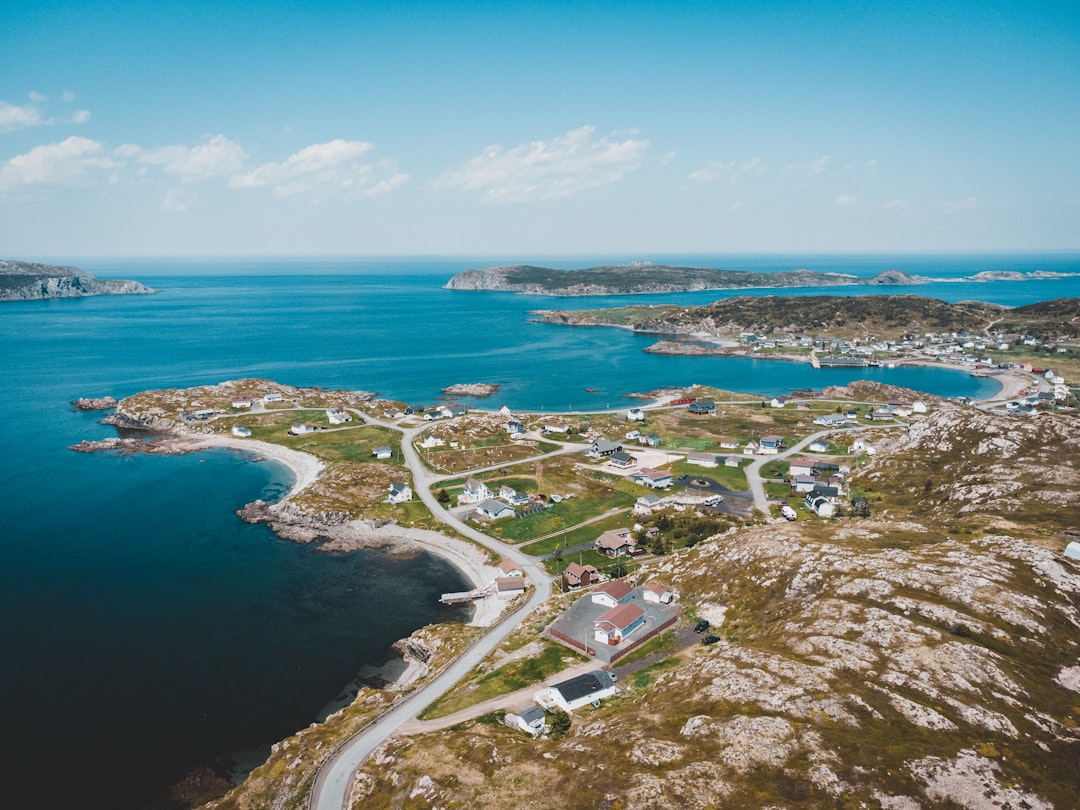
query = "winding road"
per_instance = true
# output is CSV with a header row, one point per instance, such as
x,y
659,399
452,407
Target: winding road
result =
x,y
335,776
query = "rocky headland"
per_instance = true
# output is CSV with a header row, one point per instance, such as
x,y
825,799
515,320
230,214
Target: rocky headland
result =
x,y
647,278
28,281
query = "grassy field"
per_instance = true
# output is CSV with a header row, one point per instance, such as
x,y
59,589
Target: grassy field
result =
x,y
575,537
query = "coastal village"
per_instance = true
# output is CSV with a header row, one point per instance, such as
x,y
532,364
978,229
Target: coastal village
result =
x,y
593,508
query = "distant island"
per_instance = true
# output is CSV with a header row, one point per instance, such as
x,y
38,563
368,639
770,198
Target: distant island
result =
x,y
642,278
28,281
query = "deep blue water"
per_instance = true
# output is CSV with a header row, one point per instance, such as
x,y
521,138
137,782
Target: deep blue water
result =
x,y
147,630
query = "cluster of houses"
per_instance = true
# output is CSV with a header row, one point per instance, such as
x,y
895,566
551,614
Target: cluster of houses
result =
x,y
494,505
429,414
1059,389
822,484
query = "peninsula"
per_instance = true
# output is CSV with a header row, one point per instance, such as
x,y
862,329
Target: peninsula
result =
x,y
888,317
880,573
29,281
644,277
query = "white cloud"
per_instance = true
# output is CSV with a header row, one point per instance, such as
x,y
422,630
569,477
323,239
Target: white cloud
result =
x,y
959,206
667,158
177,201
323,169
13,116
895,205
546,170
820,165
728,170
216,156
712,171
80,116
847,201
72,162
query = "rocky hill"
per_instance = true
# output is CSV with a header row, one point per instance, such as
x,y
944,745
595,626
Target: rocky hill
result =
x,y
644,277
885,316
913,659
27,281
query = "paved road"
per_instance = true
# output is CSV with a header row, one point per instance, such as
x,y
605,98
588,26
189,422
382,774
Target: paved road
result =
x,y
753,470
335,776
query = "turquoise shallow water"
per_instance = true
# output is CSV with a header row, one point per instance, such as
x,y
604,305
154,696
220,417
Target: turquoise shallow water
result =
x,y
147,630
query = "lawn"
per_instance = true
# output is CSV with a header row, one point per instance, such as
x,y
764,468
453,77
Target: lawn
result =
x,y
562,516
579,535
510,677
731,477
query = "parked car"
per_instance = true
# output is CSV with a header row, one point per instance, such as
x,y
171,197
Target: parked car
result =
x,y
701,626
788,512
710,639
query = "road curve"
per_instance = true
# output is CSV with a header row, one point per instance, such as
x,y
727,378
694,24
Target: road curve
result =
x,y
335,776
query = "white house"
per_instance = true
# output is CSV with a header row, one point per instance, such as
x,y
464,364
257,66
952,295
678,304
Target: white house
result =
x,y
618,623
653,479
428,441
820,505
338,416
862,446
801,466
242,403
273,396
475,492
532,721
299,429
400,493
635,415
508,568
817,446
656,594
647,504
592,687
702,459
612,593
383,452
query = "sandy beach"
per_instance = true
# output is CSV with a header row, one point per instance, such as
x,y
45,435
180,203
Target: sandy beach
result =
x,y
306,468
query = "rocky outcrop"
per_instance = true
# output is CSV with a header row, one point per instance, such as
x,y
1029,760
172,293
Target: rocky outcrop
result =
x,y
474,390
290,522
94,403
27,281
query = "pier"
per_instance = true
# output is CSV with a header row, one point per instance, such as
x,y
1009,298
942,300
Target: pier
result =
x,y
462,596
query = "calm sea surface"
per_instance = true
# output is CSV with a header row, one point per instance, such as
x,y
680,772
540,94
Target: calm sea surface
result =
x,y
146,629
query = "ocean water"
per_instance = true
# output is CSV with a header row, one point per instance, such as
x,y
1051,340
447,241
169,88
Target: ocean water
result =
x,y
146,629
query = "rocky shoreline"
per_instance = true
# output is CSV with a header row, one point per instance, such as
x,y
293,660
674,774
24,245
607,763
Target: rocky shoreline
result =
x,y
29,281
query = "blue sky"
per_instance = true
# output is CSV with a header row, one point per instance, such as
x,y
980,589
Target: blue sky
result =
x,y
527,129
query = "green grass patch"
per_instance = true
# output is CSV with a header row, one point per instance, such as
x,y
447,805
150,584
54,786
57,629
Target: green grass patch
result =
x,y
664,641
579,535
510,677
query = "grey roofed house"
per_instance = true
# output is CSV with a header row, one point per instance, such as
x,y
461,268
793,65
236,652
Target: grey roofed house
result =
x,y
702,406
382,451
605,447
582,689
495,509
